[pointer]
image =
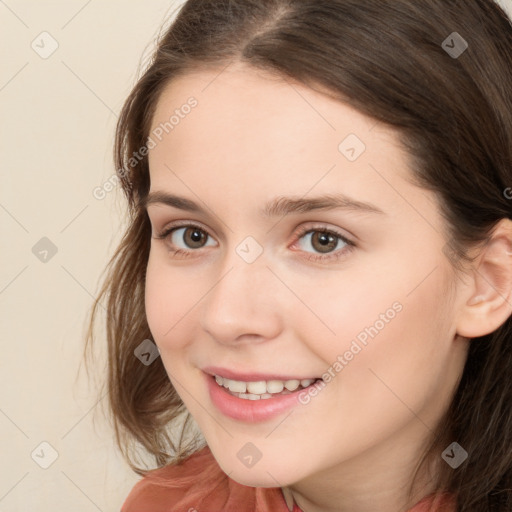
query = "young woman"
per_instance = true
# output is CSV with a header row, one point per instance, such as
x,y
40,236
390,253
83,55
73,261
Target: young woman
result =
x,y
311,307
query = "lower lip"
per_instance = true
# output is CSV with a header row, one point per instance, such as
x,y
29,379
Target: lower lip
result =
x,y
251,411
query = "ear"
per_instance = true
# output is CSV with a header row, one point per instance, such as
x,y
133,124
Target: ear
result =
x,y
488,303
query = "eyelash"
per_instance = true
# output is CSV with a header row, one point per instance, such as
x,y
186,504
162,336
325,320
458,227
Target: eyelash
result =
x,y
328,257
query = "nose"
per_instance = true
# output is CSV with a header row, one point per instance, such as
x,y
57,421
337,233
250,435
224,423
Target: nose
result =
x,y
243,305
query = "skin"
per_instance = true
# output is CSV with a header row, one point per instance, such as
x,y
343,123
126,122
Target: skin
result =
x,y
252,137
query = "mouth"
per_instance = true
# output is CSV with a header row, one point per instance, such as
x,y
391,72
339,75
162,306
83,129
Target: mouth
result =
x,y
262,389
256,397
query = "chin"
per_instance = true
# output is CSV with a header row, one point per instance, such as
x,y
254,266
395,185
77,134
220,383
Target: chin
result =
x,y
260,475
256,480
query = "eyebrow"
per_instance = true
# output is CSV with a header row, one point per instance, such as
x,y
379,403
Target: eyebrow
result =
x,y
279,206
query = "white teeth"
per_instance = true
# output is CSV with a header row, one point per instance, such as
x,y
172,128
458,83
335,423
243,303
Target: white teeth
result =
x,y
292,385
275,386
249,396
258,388
261,389
236,386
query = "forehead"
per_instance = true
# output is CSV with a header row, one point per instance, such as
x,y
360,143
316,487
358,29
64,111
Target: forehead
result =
x,y
240,103
263,134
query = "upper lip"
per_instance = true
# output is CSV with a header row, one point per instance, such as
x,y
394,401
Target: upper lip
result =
x,y
251,376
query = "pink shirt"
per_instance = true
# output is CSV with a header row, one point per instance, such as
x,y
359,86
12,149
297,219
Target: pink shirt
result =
x,y
198,484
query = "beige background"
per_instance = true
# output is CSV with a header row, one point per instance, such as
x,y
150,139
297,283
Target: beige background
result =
x,y
58,115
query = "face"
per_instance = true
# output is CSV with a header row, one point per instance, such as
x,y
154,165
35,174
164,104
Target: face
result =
x,y
299,251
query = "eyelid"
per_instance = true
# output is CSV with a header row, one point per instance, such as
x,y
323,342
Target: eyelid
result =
x,y
323,226
299,232
162,232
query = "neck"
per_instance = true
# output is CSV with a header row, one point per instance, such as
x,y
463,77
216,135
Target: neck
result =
x,y
379,479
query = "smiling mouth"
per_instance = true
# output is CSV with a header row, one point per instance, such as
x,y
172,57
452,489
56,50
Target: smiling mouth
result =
x,y
261,390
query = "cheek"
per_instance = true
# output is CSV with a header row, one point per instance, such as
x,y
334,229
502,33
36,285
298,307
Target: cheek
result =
x,y
379,385
393,303
351,308
169,302
396,353
390,333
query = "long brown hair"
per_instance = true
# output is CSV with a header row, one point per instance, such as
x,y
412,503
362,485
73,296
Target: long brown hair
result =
x,y
453,112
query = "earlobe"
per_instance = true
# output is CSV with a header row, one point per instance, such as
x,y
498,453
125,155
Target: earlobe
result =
x,y
490,290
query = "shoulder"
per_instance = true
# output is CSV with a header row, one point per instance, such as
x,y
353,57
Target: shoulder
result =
x,y
165,488
442,502
199,484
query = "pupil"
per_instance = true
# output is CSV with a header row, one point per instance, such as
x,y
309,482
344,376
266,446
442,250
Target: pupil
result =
x,y
195,235
326,240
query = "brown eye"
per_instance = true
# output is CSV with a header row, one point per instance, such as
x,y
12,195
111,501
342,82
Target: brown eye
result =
x,y
186,237
320,244
323,241
193,237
